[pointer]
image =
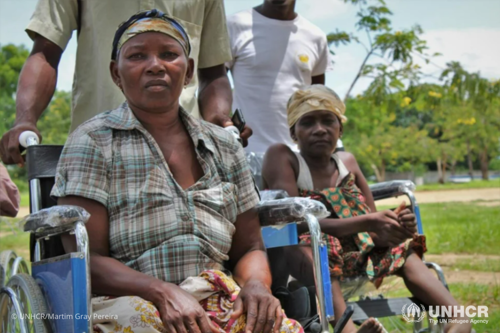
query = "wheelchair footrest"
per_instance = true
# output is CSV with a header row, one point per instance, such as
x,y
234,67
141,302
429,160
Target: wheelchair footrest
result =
x,y
379,308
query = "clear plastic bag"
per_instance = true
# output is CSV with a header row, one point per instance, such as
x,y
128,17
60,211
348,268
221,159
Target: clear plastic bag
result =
x,y
273,195
290,210
255,162
54,217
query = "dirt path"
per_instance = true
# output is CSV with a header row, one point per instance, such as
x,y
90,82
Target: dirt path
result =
x,y
486,194
453,275
491,196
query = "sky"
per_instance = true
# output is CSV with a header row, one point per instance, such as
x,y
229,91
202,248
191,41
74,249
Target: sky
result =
x,y
461,30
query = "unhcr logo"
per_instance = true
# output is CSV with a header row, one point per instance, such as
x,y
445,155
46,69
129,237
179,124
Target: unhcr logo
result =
x,y
413,313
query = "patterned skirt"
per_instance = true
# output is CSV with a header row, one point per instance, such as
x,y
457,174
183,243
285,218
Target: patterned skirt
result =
x,y
356,255
215,291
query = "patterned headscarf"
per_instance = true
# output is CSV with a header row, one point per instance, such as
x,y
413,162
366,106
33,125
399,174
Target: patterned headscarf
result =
x,y
313,98
150,21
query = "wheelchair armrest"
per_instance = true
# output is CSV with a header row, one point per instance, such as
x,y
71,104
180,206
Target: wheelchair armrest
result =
x,y
267,195
287,210
54,220
391,189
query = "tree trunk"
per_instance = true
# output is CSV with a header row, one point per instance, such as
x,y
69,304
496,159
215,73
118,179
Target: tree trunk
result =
x,y
380,174
453,167
483,160
368,55
440,171
469,160
444,168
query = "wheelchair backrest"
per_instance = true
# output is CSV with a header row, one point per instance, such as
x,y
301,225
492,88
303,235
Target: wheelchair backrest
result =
x,y
41,164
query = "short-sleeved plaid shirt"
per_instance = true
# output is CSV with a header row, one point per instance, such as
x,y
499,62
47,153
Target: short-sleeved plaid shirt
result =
x,y
156,227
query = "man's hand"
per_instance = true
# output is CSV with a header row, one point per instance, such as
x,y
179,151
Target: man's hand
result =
x,y
263,310
387,231
9,145
244,135
179,311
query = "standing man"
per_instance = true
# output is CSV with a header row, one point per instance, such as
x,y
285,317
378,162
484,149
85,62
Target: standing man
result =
x,y
275,52
51,27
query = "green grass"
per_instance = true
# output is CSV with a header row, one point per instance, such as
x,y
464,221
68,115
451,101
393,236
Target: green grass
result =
x,y
486,265
494,183
13,238
456,227
461,228
25,199
466,294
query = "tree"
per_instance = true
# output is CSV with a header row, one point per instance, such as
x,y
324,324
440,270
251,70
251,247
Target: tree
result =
x,y
396,49
12,59
476,105
376,137
55,122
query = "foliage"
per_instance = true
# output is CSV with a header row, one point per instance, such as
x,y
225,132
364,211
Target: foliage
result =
x,y
12,59
394,49
474,184
54,124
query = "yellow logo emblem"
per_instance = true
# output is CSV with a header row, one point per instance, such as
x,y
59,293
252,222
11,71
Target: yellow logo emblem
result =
x,y
304,58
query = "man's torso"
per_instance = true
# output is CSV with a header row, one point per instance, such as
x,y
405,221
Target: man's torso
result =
x,y
272,60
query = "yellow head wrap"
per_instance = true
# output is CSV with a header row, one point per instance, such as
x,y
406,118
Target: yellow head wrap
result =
x,y
155,24
313,98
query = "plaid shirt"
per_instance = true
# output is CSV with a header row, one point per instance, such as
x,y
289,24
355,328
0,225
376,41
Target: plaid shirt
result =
x,y
156,227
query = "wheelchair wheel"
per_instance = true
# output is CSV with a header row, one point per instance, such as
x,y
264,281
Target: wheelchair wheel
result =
x,y
2,277
32,304
20,266
7,259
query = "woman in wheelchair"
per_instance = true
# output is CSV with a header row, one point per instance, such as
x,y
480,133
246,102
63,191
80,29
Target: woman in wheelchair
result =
x,y
360,240
172,202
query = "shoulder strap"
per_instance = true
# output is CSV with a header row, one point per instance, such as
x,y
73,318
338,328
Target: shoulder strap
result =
x,y
304,180
343,172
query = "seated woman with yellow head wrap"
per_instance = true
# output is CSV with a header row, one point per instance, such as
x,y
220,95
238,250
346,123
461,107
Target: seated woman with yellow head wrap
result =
x,y
174,235
360,240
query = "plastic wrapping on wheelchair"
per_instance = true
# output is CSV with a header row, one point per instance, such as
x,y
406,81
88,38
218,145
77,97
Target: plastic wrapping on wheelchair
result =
x,y
288,210
54,217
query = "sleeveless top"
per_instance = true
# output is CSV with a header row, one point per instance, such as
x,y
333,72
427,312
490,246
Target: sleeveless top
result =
x,y
304,180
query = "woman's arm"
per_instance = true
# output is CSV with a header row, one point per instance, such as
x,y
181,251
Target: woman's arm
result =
x,y
179,311
279,172
251,270
352,165
109,276
279,169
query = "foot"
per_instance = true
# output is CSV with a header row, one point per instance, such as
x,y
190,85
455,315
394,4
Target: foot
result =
x,y
371,326
458,328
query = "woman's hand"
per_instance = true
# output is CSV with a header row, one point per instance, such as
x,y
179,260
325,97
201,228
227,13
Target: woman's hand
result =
x,y
408,220
179,311
386,229
263,310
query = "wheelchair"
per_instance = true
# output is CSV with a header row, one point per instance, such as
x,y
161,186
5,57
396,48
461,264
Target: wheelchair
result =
x,y
365,307
56,297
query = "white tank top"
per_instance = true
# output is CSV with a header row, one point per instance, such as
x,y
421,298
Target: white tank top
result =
x,y
304,180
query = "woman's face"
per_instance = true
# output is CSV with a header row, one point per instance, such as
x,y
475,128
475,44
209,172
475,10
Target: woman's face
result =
x,y
151,70
317,132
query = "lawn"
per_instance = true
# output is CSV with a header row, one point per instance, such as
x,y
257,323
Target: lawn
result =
x,y
461,228
466,294
449,228
460,186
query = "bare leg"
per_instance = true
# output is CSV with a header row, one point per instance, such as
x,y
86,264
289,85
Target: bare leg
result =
x,y
279,269
300,262
426,287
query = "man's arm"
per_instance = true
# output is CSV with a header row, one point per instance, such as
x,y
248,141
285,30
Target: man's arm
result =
x,y
215,96
37,83
319,79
